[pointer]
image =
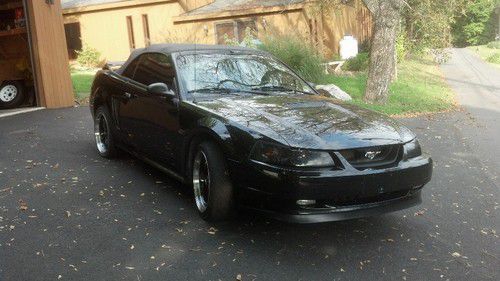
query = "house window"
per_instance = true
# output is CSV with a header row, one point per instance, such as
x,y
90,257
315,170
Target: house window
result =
x,y
243,26
145,26
233,30
224,31
130,28
73,38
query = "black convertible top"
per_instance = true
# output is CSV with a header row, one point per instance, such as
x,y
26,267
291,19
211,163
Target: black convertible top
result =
x,y
176,48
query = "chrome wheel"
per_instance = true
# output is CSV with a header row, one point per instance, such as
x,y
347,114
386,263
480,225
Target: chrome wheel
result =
x,y
201,181
8,93
101,130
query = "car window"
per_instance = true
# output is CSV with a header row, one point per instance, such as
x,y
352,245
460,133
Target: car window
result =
x,y
155,68
130,70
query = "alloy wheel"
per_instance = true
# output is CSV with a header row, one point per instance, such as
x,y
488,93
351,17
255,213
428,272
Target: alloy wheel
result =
x,y
101,130
201,181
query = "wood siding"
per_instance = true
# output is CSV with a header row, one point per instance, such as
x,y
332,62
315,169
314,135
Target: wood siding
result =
x,y
54,88
106,29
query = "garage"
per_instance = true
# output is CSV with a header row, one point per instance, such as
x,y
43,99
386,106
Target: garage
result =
x,y
34,69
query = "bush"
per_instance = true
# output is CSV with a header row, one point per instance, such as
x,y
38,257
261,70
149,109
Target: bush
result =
x,y
359,63
495,58
88,57
494,45
297,54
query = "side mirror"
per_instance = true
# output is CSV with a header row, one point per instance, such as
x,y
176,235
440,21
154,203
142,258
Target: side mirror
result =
x,y
160,89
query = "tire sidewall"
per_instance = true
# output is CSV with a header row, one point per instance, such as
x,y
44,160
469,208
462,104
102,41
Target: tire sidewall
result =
x,y
221,192
111,146
19,99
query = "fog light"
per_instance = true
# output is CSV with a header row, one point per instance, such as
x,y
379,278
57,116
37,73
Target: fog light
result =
x,y
306,202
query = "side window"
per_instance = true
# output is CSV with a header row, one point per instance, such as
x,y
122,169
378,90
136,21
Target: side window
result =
x,y
155,68
130,70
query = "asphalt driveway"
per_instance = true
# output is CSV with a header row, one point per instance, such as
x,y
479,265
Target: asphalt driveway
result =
x,y
67,214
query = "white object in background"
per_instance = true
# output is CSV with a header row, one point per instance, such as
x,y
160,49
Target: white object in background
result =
x,y
348,47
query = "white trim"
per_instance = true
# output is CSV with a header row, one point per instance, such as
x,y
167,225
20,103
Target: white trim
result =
x,y
19,111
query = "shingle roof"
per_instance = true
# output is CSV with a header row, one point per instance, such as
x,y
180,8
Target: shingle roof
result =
x,y
70,4
235,5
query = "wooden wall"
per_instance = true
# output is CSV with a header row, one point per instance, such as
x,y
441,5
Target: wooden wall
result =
x,y
50,55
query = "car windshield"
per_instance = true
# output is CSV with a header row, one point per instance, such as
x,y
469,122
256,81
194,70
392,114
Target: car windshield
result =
x,y
235,74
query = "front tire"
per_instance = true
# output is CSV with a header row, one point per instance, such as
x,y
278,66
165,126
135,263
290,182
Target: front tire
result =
x,y
213,190
103,131
12,94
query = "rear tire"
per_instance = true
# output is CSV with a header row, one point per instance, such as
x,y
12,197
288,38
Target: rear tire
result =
x,y
213,190
103,131
12,94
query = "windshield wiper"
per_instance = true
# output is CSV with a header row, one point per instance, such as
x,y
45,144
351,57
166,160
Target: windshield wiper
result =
x,y
226,91
212,90
279,89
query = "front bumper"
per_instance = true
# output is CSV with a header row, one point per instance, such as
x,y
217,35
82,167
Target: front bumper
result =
x,y
339,194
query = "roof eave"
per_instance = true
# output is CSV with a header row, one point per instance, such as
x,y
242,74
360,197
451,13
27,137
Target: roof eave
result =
x,y
236,13
111,6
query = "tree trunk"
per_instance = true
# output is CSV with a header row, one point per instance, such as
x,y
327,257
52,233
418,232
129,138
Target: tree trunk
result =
x,y
382,71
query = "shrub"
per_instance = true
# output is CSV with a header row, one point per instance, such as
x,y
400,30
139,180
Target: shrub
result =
x,y
88,57
359,63
495,58
296,53
494,45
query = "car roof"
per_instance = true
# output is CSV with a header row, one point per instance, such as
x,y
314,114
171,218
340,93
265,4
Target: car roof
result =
x,y
177,48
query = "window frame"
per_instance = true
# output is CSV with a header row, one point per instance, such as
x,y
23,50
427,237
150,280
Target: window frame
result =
x,y
140,58
146,30
130,29
236,28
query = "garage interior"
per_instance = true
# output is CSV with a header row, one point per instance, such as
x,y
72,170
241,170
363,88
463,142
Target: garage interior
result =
x,y
34,68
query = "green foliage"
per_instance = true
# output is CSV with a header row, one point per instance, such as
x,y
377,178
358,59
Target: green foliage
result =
x,y
296,53
88,57
359,63
494,45
401,47
475,25
426,24
495,58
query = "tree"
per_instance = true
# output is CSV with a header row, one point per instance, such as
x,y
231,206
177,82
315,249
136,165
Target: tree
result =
x,y
475,25
386,16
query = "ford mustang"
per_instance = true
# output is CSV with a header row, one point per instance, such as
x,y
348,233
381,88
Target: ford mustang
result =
x,y
244,131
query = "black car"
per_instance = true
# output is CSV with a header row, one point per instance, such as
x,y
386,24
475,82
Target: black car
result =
x,y
244,131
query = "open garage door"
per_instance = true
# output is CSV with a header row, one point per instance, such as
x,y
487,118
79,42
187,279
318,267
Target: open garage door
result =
x,y
33,55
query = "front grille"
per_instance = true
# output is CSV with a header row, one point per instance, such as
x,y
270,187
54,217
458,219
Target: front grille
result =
x,y
373,157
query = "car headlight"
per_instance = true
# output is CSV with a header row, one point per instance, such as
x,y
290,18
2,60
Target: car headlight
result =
x,y
287,157
412,149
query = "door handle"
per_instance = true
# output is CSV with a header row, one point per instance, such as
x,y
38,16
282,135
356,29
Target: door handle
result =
x,y
128,95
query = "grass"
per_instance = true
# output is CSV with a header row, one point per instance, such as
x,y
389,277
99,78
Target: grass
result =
x,y
487,54
420,88
82,82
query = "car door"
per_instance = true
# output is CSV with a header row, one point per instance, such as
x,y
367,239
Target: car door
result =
x,y
154,125
125,105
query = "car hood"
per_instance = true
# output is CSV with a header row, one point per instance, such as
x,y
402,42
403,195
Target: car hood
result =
x,y
307,121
